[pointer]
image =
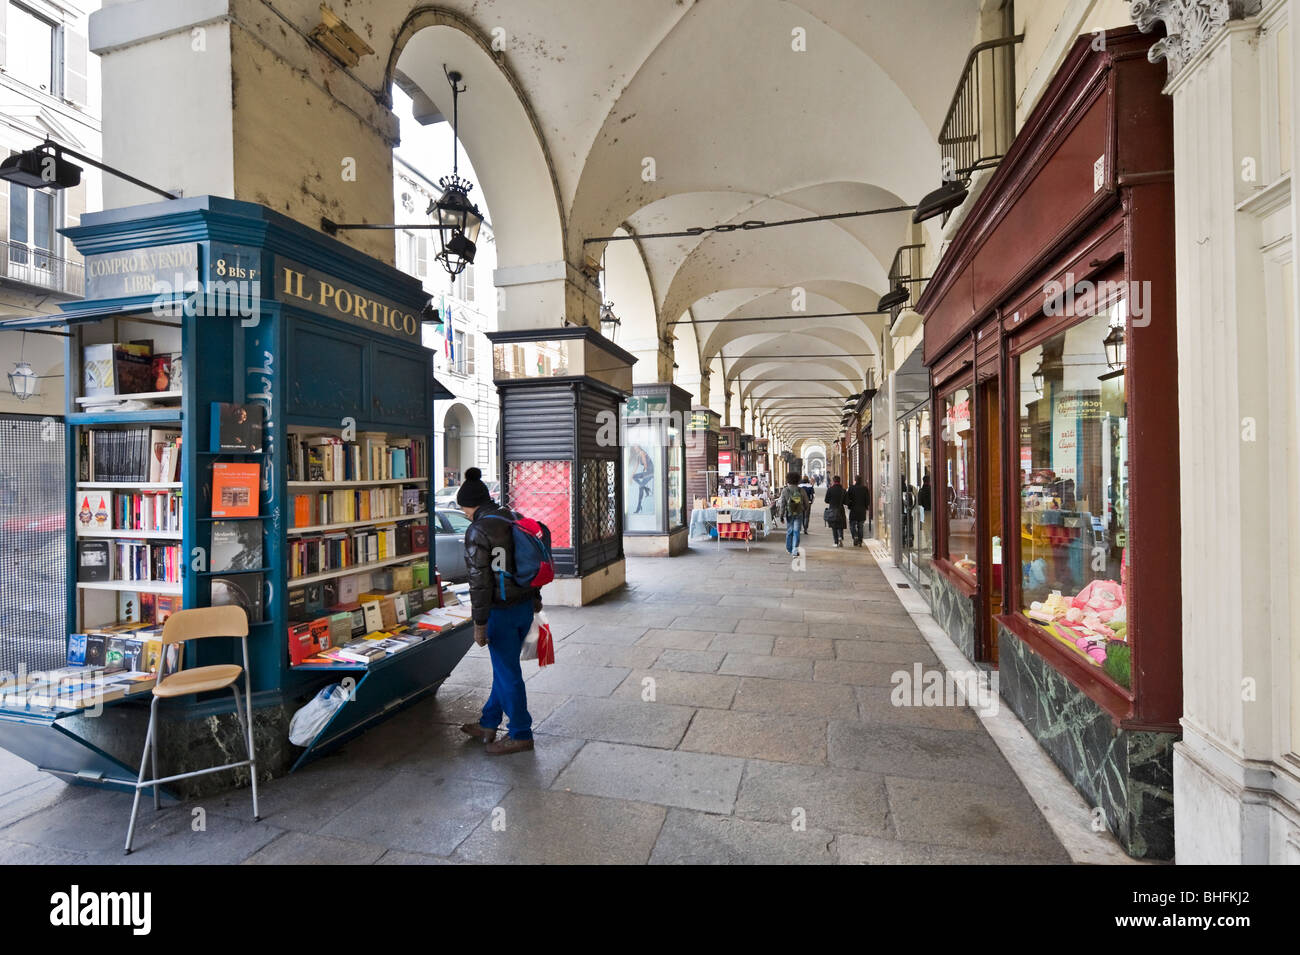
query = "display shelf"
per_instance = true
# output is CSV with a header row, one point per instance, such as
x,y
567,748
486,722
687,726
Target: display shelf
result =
x,y
144,416
142,396
322,528
294,582
386,483
222,573
137,485
148,586
157,535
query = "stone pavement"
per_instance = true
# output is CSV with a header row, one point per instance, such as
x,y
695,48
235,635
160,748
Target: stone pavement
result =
x,y
723,708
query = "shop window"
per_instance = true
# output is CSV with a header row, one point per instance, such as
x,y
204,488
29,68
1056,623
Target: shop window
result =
x,y
1074,487
31,226
32,52
959,480
599,501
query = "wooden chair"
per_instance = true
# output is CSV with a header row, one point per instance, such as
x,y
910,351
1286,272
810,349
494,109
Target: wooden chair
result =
x,y
198,624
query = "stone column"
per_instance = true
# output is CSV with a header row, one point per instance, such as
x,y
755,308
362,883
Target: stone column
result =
x,y
1236,793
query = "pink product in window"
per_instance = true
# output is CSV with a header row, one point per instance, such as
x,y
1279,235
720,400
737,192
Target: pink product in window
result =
x,y
542,490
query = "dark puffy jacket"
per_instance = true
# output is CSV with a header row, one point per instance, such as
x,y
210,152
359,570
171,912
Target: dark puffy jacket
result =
x,y
835,502
485,537
857,497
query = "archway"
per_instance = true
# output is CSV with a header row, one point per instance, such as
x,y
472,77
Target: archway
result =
x,y
457,452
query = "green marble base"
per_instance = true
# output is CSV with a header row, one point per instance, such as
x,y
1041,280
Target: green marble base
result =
x,y
955,612
1128,774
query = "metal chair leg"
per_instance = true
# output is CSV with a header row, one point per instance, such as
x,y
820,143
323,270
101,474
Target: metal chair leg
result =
x,y
139,783
246,727
153,749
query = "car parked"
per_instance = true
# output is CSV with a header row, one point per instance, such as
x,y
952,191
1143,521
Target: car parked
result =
x,y
446,497
449,525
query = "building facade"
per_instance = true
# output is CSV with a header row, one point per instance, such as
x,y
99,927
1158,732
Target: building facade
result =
x,y
49,89
465,433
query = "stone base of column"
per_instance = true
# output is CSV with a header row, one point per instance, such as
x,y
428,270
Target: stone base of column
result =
x,y
655,545
1232,811
578,591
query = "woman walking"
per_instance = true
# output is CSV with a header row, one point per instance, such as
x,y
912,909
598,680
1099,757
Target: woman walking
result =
x,y
835,511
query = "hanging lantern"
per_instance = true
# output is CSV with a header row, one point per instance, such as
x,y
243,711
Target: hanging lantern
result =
x,y
1116,349
609,322
457,218
23,382
1038,376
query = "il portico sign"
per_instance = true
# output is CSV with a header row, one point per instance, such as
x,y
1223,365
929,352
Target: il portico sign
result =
x,y
297,284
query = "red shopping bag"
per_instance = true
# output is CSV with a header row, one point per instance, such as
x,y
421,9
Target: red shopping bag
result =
x,y
545,645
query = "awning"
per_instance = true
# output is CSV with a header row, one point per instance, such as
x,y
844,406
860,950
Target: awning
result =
x,y
76,316
440,391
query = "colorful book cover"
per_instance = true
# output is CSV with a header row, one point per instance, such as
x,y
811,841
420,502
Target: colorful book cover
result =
x,y
237,428
235,489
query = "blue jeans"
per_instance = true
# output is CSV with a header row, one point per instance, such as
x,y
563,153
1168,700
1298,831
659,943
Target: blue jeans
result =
x,y
506,629
792,525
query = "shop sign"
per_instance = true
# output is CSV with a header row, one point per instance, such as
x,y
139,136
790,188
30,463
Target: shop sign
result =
x,y
645,406
724,462
300,285
142,271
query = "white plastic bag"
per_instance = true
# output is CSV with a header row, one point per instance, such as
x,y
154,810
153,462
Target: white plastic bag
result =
x,y
529,650
311,718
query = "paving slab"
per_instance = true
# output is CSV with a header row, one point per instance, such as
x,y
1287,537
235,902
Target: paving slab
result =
x,y
604,655
697,661
574,679
876,705
920,752
614,634
706,782
814,648
755,664
679,687
400,857
871,651
419,812
838,800
778,628
708,623
446,751
677,639
796,697
857,674
302,848
538,827
984,818
777,737
620,721
743,643
868,850
696,838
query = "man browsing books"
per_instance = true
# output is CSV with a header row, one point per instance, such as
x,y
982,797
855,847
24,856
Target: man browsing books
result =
x,y
502,613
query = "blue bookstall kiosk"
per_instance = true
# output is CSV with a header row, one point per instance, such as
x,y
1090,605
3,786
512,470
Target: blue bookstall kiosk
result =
x,y
261,311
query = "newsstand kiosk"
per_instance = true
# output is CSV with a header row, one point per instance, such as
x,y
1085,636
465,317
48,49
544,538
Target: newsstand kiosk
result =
x,y
275,453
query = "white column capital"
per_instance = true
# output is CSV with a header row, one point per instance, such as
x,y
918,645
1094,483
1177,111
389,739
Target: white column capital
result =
x,y
1189,25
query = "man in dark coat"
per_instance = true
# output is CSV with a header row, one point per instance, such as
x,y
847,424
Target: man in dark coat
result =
x,y
857,498
503,614
835,511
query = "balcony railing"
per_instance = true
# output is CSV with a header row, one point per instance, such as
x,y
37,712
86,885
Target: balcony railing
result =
x,y
981,120
36,267
906,270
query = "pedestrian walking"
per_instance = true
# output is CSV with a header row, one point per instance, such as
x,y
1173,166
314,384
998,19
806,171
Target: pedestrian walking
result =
x,y
835,511
806,486
502,612
792,506
857,498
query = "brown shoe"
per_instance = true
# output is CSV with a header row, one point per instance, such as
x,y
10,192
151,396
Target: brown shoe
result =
x,y
478,732
506,746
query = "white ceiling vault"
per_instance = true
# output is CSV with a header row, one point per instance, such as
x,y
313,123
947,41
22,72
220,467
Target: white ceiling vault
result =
x,y
562,123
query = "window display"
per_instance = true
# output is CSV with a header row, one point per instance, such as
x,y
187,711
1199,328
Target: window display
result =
x,y
1074,489
959,479
643,472
676,486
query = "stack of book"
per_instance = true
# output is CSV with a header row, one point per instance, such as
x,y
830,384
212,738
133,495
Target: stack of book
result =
x,y
373,456
136,511
128,560
341,550
375,626
337,507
